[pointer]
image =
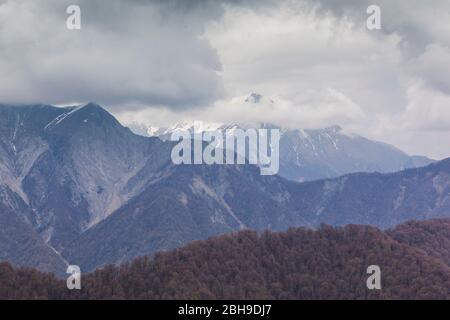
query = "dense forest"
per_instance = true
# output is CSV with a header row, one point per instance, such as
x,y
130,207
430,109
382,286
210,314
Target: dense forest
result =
x,y
328,263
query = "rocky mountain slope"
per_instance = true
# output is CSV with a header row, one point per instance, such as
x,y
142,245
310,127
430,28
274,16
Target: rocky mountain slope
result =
x,y
71,167
77,187
195,202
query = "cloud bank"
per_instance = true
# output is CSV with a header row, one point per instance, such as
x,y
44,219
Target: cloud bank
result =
x,y
127,52
163,61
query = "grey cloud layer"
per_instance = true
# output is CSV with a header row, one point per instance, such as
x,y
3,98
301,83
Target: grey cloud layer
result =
x,y
128,53
151,52
140,51
172,56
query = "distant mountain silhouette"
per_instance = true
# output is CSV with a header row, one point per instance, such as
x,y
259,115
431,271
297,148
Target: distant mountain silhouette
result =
x,y
308,154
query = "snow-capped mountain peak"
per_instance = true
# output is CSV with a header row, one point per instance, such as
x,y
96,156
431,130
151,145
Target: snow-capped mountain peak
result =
x,y
309,154
258,98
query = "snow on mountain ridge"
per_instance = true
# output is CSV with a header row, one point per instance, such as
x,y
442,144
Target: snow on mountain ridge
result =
x,y
309,154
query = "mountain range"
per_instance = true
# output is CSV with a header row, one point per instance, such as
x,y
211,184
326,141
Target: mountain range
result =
x,y
308,154
79,188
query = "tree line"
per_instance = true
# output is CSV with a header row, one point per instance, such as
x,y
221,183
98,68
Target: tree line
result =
x,y
328,263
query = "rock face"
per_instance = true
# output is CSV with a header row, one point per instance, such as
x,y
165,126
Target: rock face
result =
x,y
328,153
71,167
77,187
195,202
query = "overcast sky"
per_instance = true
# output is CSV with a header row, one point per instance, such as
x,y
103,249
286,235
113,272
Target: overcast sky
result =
x,y
316,63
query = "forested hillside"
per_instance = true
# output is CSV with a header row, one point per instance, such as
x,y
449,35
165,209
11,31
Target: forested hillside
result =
x,y
329,263
432,236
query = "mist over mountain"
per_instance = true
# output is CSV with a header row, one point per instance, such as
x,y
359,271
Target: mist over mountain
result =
x,y
79,188
307,154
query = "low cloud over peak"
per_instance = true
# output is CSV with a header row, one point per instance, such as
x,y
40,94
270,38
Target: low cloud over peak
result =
x,y
160,61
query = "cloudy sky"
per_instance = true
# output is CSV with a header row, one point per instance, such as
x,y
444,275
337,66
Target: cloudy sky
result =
x,y
315,62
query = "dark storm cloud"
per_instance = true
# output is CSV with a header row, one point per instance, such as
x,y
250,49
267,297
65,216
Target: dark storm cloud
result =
x,y
151,52
410,18
127,52
420,24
